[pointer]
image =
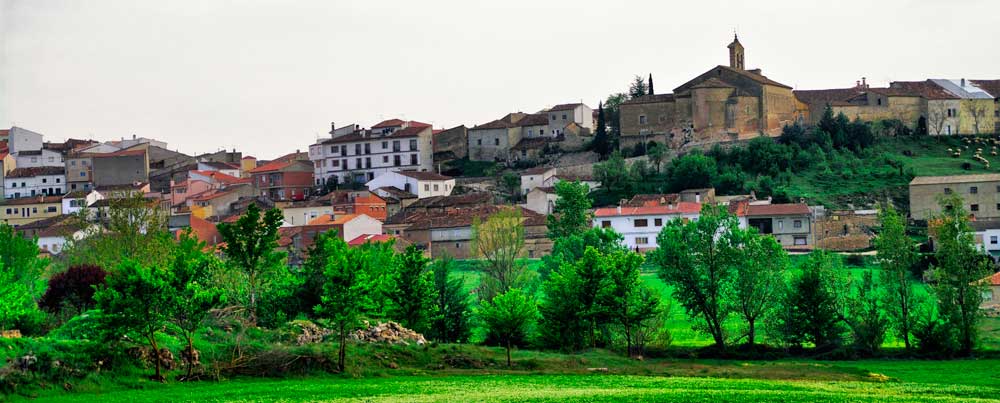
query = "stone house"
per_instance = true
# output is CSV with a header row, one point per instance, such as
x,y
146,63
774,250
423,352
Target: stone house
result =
x,y
541,199
492,141
976,111
451,144
993,88
536,177
980,192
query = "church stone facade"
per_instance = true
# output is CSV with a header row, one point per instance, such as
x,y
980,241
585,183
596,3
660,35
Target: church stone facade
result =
x,y
725,103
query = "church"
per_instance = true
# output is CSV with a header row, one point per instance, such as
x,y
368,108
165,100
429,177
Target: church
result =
x,y
723,104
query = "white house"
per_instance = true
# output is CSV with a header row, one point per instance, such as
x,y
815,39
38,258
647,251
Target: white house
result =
x,y
19,140
535,177
73,202
350,226
226,168
302,212
25,182
541,200
562,115
358,155
54,239
641,225
422,184
39,158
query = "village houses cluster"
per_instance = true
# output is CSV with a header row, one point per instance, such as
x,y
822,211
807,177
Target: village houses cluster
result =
x,y
386,181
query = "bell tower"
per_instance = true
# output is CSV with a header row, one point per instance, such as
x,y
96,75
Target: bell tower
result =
x,y
736,54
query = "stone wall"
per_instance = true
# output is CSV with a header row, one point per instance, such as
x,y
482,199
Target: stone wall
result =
x,y
451,144
845,230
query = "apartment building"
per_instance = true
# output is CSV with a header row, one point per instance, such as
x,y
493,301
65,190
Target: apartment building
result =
x,y
979,192
356,155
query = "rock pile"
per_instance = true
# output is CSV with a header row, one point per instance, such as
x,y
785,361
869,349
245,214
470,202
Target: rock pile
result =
x,y
308,332
388,332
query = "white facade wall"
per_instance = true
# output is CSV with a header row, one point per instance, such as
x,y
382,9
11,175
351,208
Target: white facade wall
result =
x,y
34,186
421,188
529,182
541,202
295,216
332,160
48,158
23,140
640,237
361,225
582,115
73,206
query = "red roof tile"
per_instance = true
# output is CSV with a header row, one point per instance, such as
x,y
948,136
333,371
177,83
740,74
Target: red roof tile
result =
x,y
373,238
271,166
679,208
388,123
777,209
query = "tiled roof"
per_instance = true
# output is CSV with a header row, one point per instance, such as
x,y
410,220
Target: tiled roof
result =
x,y
388,123
755,77
32,200
926,89
424,176
534,119
372,238
271,166
650,99
545,189
328,219
777,209
940,180
675,209
641,200
45,222
565,107
713,83
76,194
453,200
537,170
397,192
827,96
35,171
411,131
221,177
213,194
993,279
991,86
894,92
508,121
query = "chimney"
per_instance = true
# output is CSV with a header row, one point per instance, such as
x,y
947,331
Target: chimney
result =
x,y
133,137
857,84
864,83
333,127
963,83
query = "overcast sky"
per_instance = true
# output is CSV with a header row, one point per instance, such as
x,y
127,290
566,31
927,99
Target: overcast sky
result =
x,y
268,77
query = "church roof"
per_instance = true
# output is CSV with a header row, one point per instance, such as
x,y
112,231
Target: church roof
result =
x,y
754,77
650,99
713,83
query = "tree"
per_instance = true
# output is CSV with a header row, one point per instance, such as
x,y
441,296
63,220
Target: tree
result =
x,y
656,152
15,299
977,109
692,171
758,277
570,248
451,305
511,184
571,308
412,291
865,316
637,88
249,247
571,213
20,277
312,274
651,84
959,272
499,242
137,299
625,299
827,122
695,258
73,288
602,142
193,294
896,256
614,176
812,307
510,316
345,298
612,116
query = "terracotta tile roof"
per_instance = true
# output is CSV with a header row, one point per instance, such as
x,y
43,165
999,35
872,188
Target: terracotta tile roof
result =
x,y
991,86
424,176
212,194
32,200
367,135
993,279
755,77
508,121
474,198
537,170
545,189
926,89
650,99
76,194
271,166
35,171
777,209
388,123
221,177
827,96
373,238
739,208
895,92
675,209
45,222
713,83
641,200
397,192
565,107
534,119
328,219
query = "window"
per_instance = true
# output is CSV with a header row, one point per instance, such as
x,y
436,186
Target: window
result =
x,y
947,191
799,240
427,187
385,159
642,119
993,240
413,159
333,149
973,189
553,117
642,222
496,141
479,142
82,174
51,209
604,224
541,132
368,148
45,180
641,240
335,163
385,145
368,162
396,161
8,211
879,102
797,224
413,144
658,222
435,187
395,145
781,224
358,163
357,149
974,207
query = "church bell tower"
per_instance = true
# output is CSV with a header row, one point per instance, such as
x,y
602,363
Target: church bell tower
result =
x,y
736,54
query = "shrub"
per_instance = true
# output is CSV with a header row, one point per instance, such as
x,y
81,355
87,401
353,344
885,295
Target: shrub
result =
x,y
73,288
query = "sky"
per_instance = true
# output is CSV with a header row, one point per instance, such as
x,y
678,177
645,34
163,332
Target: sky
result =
x,y
268,77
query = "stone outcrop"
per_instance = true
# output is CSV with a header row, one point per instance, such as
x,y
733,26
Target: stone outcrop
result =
x,y
388,332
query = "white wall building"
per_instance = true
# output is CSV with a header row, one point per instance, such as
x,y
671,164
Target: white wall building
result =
x,y
422,184
73,202
300,213
641,225
358,155
562,115
535,177
541,200
39,158
26,182
23,140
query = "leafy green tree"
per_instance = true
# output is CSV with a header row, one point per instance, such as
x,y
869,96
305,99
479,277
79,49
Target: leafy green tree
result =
x,y
19,257
959,272
138,301
499,242
638,87
312,275
698,263
511,183
192,291
612,115
692,171
250,245
625,300
571,213
570,248
345,298
510,316
827,122
866,317
656,153
571,308
615,178
757,281
812,310
412,293
451,306
896,255
15,299
602,140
